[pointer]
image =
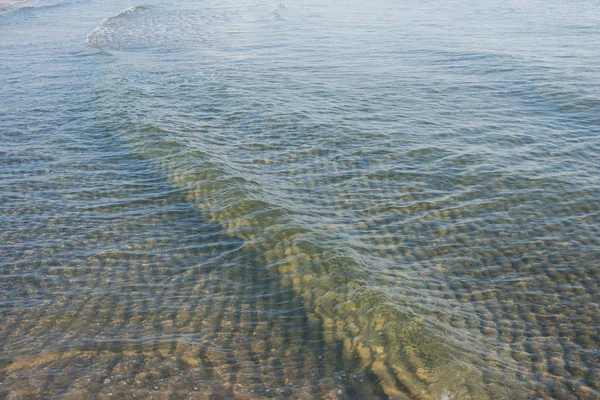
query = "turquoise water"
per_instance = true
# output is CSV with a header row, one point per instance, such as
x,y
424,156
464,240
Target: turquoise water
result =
x,y
285,199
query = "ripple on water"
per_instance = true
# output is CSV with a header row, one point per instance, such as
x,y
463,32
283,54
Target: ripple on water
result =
x,y
303,201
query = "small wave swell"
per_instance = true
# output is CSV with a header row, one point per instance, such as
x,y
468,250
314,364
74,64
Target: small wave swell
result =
x,y
143,27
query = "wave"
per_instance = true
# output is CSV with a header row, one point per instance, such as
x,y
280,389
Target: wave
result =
x,y
143,27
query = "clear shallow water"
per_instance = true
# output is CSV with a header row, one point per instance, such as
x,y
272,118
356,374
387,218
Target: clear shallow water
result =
x,y
300,200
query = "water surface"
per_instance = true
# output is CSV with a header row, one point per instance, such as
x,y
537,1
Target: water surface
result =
x,y
258,199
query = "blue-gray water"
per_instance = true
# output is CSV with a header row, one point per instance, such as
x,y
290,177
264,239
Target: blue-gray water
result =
x,y
300,199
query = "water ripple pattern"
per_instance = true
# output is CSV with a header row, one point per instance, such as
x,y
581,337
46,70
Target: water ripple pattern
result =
x,y
285,199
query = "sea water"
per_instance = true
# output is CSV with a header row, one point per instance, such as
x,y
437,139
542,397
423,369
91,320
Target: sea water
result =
x,y
300,199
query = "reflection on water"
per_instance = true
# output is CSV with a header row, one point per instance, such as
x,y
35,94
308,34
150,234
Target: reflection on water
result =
x,y
300,200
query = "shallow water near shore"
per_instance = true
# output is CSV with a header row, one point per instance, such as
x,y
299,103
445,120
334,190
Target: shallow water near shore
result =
x,y
284,199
